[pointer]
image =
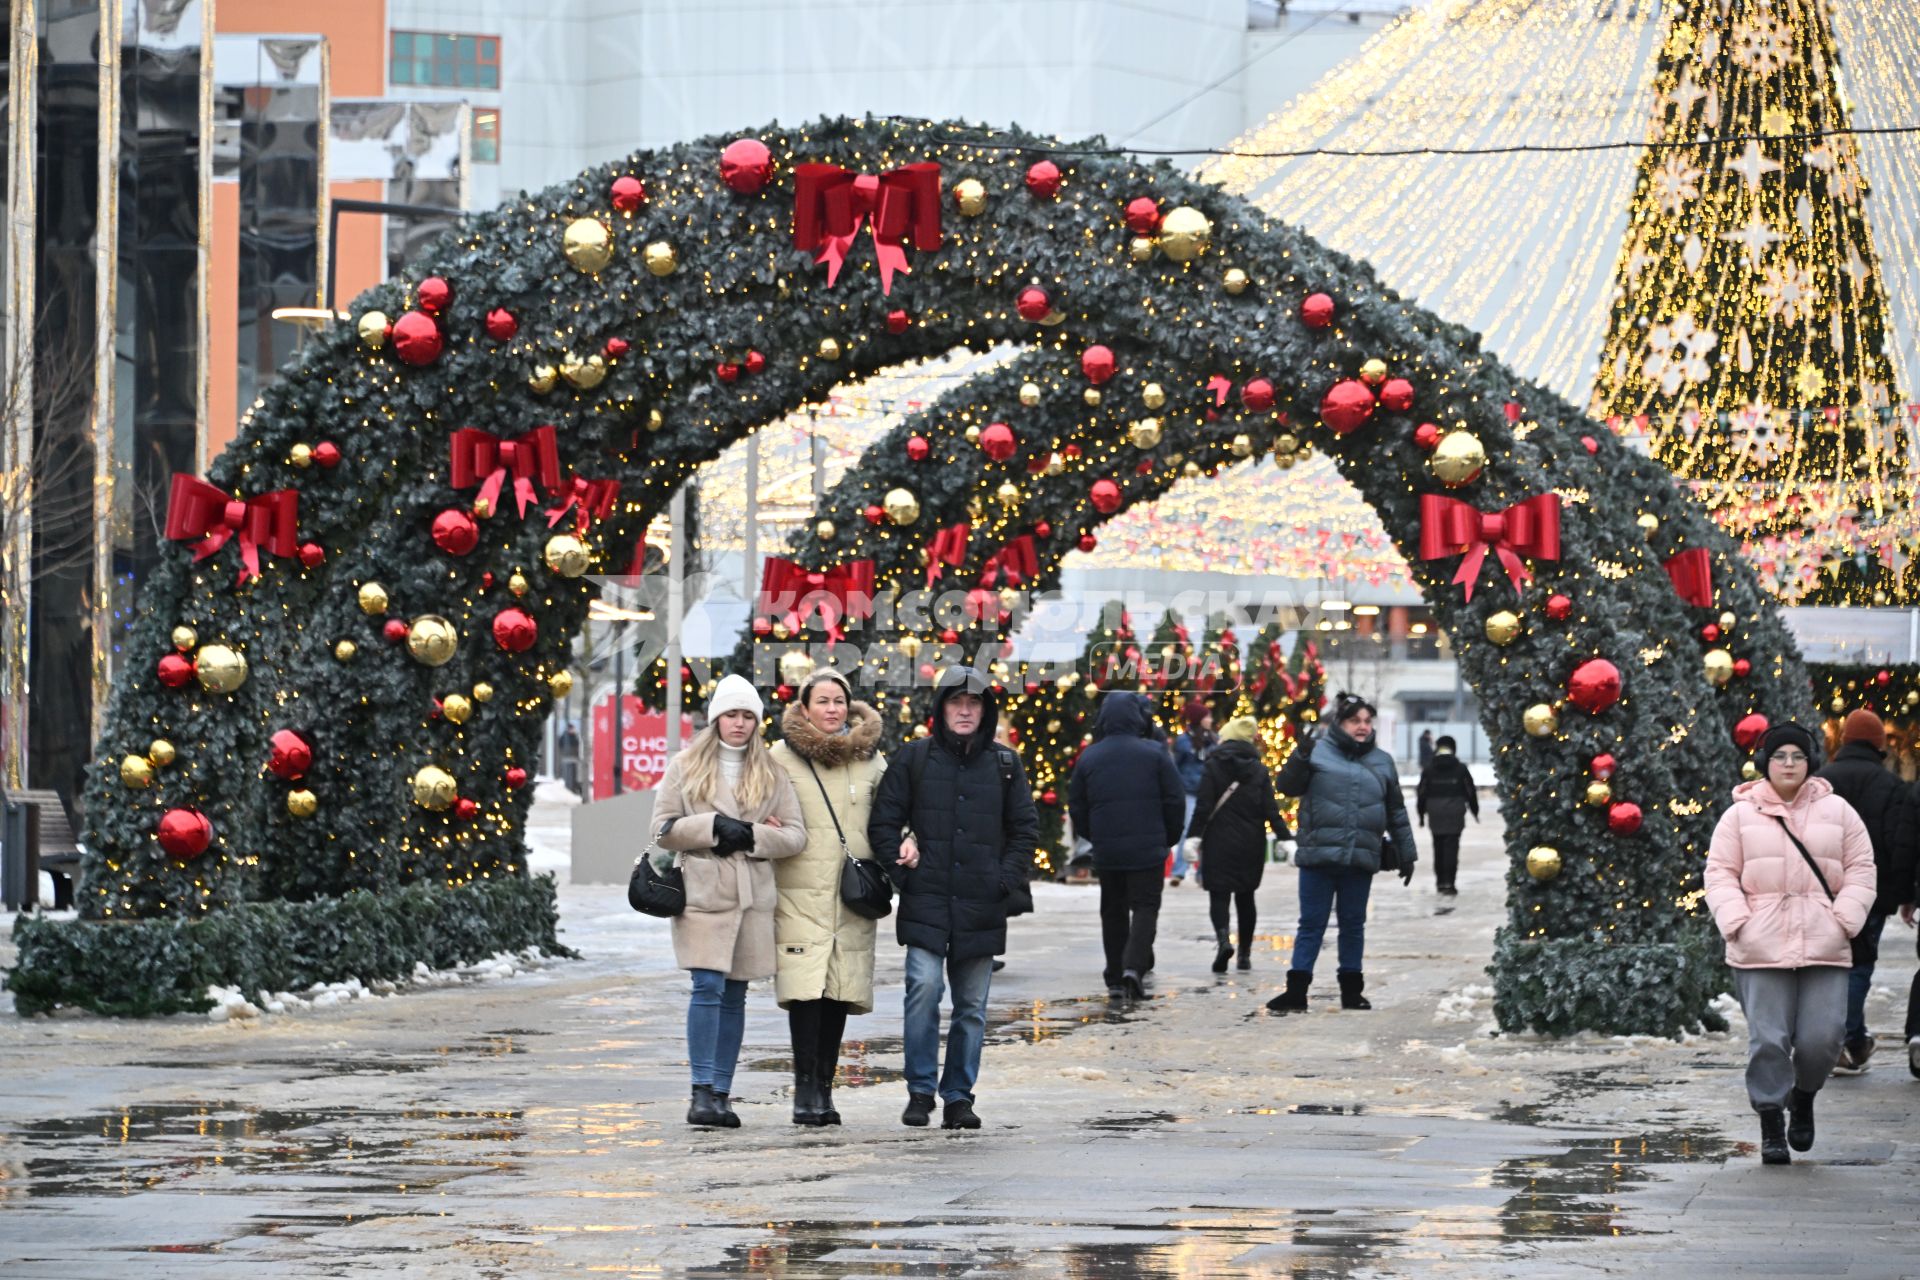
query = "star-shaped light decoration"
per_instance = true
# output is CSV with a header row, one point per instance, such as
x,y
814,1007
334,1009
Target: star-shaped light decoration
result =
x,y
1755,237
1753,165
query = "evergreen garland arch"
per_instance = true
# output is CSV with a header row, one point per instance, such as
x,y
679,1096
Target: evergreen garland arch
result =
x,y
657,309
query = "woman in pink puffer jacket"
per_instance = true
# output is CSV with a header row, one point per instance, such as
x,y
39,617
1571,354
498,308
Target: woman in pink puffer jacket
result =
x,y
1790,880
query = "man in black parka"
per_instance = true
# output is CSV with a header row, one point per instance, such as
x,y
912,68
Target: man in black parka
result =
x,y
1126,797
966,801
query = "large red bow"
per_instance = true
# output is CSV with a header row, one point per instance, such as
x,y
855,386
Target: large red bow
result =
x,y
479,457
1692,575
1016,562
831,204
1449,527
949,547
589,500
196,509
843,591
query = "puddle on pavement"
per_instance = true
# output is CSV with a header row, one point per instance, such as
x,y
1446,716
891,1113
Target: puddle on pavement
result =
x,y
1146,1120
493,1044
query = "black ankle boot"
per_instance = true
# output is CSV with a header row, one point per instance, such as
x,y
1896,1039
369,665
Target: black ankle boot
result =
x,y
1773,1137
1223,950
1294,998
1243,954
705,1112
806,1095
1352,984
829,1066
1800,1121
724,1101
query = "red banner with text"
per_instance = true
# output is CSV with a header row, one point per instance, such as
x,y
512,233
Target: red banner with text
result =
x,y
643,746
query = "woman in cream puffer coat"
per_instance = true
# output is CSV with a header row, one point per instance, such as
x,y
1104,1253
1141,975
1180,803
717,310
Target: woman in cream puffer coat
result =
x,y
825,951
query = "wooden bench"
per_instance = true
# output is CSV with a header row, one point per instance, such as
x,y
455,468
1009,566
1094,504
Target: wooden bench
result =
x,y
39,837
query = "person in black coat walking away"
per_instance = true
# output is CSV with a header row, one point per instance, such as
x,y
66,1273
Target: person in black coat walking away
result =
x,y
1426,747
1350,809
967,801
1190,752
1227,836
1444,798
1125,796
1859,774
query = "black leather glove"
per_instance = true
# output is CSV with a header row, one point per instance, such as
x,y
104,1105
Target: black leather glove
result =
x,y
730,835
1406,873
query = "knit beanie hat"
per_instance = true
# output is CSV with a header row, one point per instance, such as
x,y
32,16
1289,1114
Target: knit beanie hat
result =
x,y
1786,735
1241,729
734,693
1194,712
1864,726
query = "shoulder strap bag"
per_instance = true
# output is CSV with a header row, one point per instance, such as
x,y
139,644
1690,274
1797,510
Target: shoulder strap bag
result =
x,y
654,892
1811,864
864,887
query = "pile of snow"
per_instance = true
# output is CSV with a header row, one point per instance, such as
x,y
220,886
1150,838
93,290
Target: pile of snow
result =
x,y
553,791
1460,1005
232,1004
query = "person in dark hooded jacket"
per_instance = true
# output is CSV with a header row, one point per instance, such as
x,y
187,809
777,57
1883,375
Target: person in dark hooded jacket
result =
x,y
1227,836
1126,797
967,802
1444,798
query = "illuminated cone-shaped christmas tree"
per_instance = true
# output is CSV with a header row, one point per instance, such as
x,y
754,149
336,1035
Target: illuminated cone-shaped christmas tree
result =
x,y
1749,322
1168,670
1218,676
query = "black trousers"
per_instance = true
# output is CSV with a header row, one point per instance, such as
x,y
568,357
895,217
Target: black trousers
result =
x,y
817,1028
1129,919
1446,859
1217,900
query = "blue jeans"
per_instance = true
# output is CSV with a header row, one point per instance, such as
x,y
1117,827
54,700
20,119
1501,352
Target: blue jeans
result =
x,y
716,1023
1180,845
1866,949
966,1033
1319,892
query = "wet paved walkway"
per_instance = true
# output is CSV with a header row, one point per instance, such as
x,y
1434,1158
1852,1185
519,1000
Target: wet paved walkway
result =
x,y
531,1127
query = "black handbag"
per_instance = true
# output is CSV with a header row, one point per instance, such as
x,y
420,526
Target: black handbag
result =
x,y
864,886
653,892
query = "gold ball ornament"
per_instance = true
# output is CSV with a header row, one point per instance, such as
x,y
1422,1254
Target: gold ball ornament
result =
x,y
543,379
219,669
584,374
1185,233
1029,394
456,708
1540,720
1235,281
184,638
824,530
1718,664
1008,494
1140,249
1503,628
588,244
567,556
660,258
921,731
517,583
434,788
1055,464
1286,461
1153,395
1838,705
1053,726
1649,523
1286,443
373,599
302,803
1093,396
1458,459
655,419
829,348
1543,862
136,772
972,435
1090,689
970,197
1727,619
1242,446
795,666
901,506
1749,770
1145,433
301,455
432,640
1599,794
560,683
1190,470
161,752
483,692
345,651
1374,372
910,646
372,328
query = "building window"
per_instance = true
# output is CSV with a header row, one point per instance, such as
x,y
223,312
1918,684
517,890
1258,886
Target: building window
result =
x,y
486,135
433,60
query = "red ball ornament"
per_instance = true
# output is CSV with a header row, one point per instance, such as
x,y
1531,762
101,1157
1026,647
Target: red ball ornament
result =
x,y
1426,436
918,448
997,441
1396,394
1049,797
1087,542
175,670
486,580
312,555
615,348
1624,819
745,165
1143,215
1602,767
763,627
416,338
627,194
1043,179
184,833
455,532
926,671
1882,677
1590,444
433,294
395,630
1347,404
1594,686
515,630
755,362
875,513
1097,363
466,810
897,321
1710,632
289,755
950,636
1257,395
1749,730
1042,529
501,326
1144,467
327,454
1316,312
1033,304
727,372
516,778
1559,608
1742,668
1105,496
1071,451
